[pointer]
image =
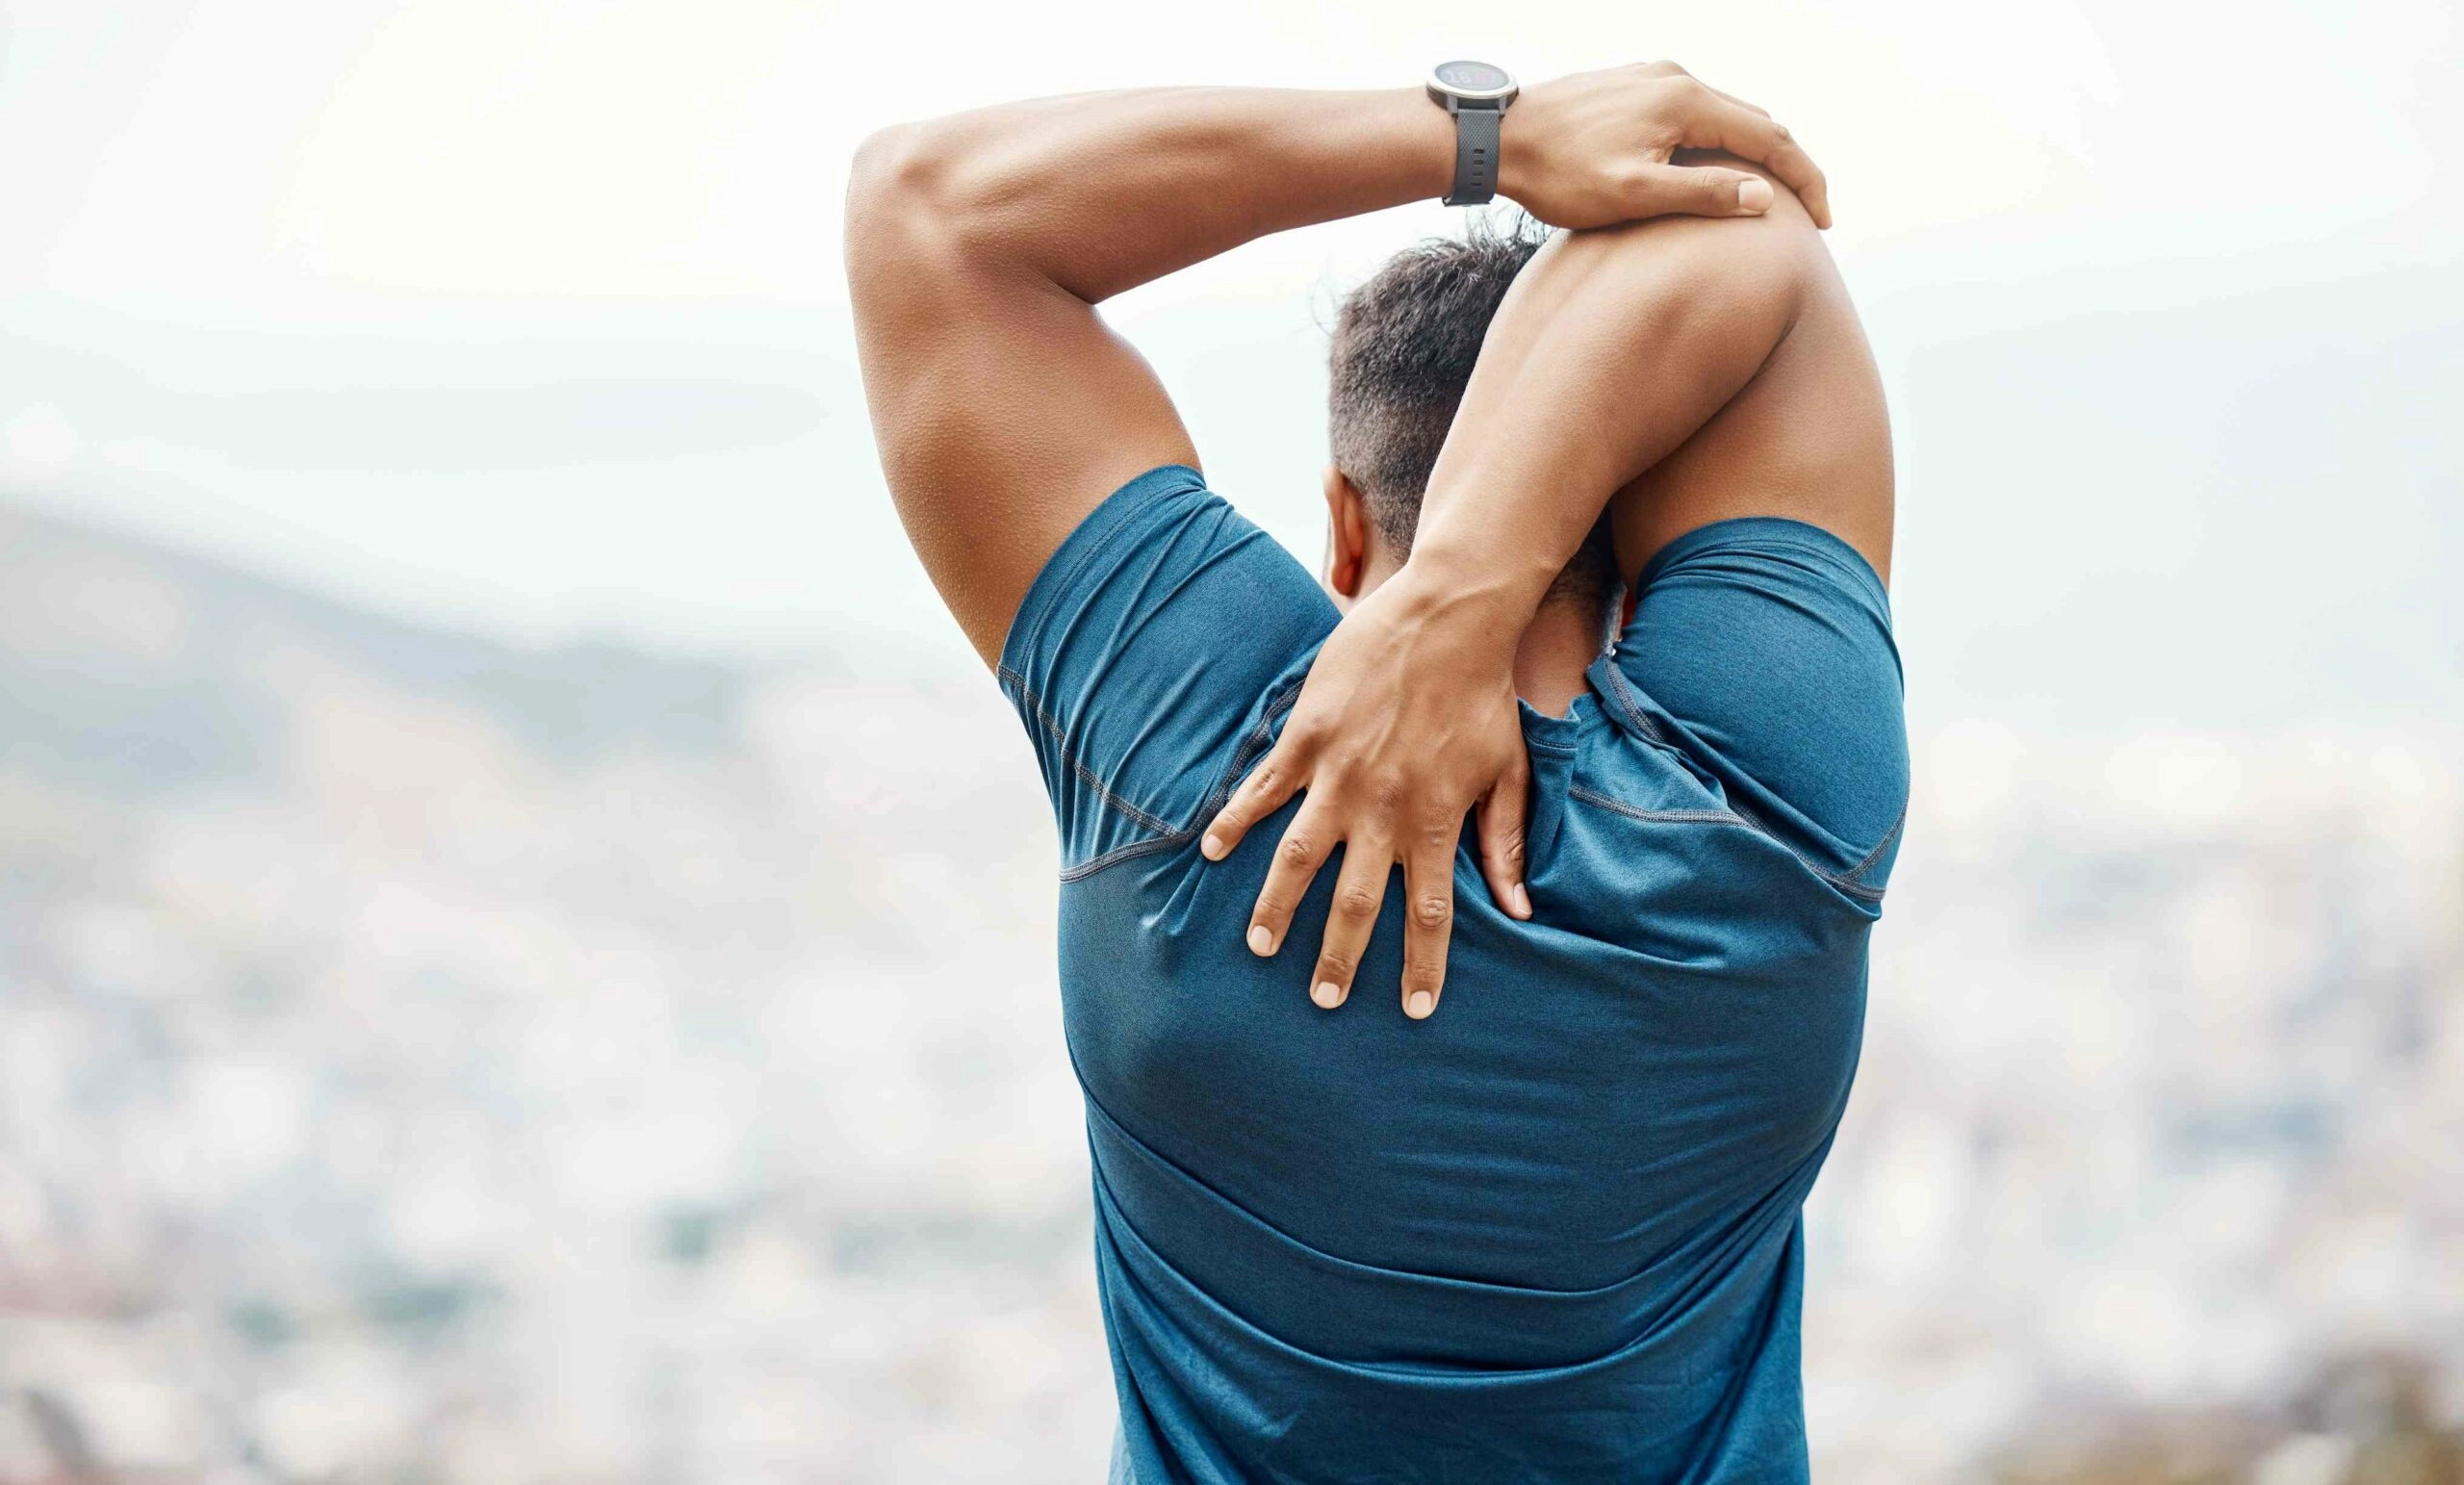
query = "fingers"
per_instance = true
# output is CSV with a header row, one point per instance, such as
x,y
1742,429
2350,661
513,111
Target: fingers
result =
x,y
1792,164
1429,918
1307,841
1277,776
1714,120
1504,817
1739,102
1696,190
1360,890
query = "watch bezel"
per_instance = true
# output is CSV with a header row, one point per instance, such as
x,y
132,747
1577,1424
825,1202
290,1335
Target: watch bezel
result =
x,y
1445,91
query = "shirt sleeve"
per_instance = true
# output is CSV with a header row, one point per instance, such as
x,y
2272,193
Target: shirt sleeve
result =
x,y
1150,658
1761,650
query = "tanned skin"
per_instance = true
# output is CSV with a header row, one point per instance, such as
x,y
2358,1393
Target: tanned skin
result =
x,y
1806,435
1690,372
1006,410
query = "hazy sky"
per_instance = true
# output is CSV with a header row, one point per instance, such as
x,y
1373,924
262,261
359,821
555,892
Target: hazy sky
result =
x,y
529,317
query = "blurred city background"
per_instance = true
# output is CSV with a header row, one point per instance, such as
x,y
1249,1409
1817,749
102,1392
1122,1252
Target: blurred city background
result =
x,y
525,936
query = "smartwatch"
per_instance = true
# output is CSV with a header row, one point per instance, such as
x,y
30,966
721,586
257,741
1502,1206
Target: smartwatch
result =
x,y
1477,94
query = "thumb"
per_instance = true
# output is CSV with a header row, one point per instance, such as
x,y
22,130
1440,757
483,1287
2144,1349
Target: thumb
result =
x,y
1660,190
1502,818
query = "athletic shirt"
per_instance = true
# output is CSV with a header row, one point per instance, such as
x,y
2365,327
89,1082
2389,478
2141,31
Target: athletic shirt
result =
x,y
1554,1232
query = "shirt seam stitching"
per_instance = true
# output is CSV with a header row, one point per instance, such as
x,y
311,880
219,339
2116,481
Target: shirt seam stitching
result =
x,y
1857,873
1069,756
1730,817
1672,816
1250,747
1122,853
1847,884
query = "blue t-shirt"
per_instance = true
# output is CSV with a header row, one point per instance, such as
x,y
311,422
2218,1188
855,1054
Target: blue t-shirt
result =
x,y
1551,1233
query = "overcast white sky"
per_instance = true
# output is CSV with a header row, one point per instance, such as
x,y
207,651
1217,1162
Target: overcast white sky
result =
x,y
528,317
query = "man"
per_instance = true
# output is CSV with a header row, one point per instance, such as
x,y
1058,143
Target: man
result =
x,y
1554,1233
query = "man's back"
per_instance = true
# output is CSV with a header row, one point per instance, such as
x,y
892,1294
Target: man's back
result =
x,y
1551,1230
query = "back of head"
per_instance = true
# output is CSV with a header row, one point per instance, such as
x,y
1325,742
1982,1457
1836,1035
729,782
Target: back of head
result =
x,y
1404,348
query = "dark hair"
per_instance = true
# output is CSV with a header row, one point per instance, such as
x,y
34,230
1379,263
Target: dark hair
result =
x,y
1404,347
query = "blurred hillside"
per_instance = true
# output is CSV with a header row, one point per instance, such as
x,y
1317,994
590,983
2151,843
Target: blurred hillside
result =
x,y
423,1059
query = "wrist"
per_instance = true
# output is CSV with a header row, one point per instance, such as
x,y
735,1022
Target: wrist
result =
x,y
1439,588
1513,155
1489,563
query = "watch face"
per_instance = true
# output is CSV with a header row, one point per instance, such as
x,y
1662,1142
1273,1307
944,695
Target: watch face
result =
x,y
1472,79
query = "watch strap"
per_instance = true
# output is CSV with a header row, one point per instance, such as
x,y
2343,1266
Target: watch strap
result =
x,y
1476,126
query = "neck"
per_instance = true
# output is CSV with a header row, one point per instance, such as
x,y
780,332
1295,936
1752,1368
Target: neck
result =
x,y
1559,645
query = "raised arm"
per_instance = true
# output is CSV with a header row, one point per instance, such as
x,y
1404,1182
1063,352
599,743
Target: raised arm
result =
x,y
1615,348
978,245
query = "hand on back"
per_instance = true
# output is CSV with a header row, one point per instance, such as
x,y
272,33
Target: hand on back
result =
x,y
1408,718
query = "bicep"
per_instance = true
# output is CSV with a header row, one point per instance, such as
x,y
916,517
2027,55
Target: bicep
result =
x,y
1005,410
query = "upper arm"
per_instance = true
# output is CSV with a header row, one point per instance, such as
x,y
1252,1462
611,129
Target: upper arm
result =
x,y
1004,407
1642,333
1760,642
1785,417
1612,350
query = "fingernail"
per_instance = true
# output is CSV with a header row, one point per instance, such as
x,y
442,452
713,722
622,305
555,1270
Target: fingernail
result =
x,y
1212,847
1328,995
1418,1004
1753,194
1261,941
1522,902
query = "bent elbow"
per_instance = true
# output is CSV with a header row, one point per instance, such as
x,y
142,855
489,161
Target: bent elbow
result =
x,y
898,212
890,179
914,192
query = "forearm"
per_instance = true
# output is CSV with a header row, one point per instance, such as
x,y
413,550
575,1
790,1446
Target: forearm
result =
x,y
1614,346
1102,191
